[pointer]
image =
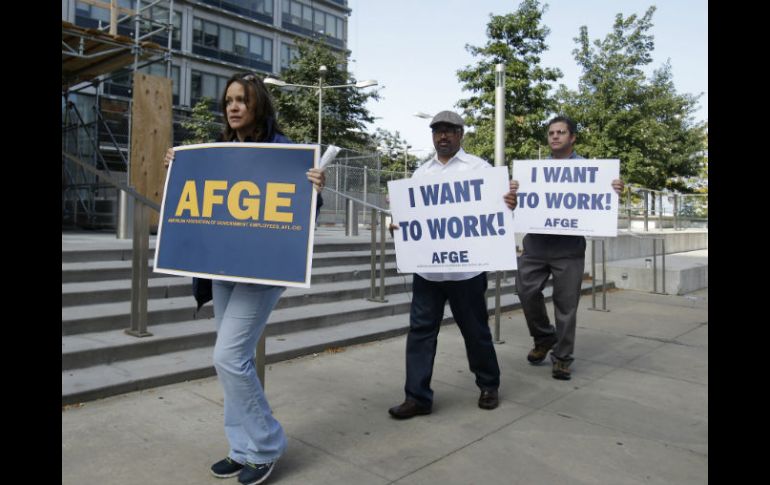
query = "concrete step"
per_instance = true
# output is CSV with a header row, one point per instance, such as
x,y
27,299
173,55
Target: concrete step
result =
x,y
124,253
74,294
685,272
95,348
304,306
110,291
90,271
116,377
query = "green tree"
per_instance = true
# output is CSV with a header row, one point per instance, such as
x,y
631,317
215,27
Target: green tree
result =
x,y
392,151
201,126
621,114
343,108
518,40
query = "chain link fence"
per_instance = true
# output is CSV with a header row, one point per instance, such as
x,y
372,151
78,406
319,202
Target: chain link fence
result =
x,y
647,208
358,175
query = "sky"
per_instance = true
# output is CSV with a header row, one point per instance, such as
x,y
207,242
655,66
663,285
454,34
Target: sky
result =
x,y
414,48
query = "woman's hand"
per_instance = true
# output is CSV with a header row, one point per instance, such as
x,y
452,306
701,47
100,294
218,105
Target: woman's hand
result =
x,y
168,158
317,177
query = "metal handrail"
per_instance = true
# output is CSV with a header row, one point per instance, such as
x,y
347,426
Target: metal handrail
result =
x,y
373,248
140,253
643,209
655,239
94,143
593,275
100,117
359,201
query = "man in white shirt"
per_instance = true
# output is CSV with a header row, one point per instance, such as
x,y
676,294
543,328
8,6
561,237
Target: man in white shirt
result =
x,y
466,293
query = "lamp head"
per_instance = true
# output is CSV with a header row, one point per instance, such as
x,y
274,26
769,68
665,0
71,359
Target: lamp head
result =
x,y
274,81
366,84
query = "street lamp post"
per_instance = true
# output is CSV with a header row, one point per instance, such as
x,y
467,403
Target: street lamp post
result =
x,y
406,159
320,87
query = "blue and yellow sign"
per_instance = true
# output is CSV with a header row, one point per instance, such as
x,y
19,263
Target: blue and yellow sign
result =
x,y
239,212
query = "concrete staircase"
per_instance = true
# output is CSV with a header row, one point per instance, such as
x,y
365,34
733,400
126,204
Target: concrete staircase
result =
x,y
99,359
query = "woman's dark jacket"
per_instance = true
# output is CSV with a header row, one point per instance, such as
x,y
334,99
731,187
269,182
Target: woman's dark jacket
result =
x,y
201,286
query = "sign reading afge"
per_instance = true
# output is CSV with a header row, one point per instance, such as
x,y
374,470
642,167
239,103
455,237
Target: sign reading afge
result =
x,y
453,223
567,196
239,212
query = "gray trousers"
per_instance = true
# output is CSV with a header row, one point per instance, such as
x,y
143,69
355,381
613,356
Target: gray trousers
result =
x,y
533,274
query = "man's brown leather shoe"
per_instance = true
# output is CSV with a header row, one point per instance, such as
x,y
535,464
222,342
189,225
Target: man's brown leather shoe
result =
x,y
488,399
408,409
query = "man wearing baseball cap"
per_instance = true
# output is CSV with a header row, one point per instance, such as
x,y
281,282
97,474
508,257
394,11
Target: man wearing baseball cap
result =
x,y
466,293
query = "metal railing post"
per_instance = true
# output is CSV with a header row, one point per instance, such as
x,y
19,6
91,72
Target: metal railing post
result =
x,y
593,273
660,211
373,250
383,220
351,218
676,211
336,195
125,206
139,272
604,278
363,209
372,292
663,260
497,309
646,209
654,265
628,207
593,277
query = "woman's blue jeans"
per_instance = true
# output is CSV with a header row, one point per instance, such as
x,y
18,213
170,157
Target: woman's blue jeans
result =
x,y
241,311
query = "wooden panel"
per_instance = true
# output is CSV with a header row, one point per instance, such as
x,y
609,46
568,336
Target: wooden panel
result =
x,y
151,136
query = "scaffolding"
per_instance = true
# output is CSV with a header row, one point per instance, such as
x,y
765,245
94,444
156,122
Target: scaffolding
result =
x,y
90,58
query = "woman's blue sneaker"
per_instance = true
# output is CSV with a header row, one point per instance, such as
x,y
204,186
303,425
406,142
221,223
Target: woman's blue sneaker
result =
x,y
226,468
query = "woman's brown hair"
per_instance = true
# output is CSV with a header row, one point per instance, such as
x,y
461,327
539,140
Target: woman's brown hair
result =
x,y
258,101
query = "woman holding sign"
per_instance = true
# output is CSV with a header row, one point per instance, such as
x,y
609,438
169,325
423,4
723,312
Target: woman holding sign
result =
x,y
241,310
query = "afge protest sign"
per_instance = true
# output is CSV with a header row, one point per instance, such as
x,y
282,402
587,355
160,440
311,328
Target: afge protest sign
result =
x,y
453,223
567,196
239,212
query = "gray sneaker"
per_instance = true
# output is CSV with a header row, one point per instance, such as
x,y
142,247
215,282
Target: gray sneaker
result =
x,y
561,370
538,354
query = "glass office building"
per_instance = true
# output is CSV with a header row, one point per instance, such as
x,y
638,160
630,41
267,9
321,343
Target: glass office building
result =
x,y
210,41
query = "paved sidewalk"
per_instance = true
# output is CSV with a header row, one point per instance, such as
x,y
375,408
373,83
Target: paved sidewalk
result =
x,y
635,411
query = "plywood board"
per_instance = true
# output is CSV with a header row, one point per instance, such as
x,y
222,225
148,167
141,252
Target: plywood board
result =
x,y
151,136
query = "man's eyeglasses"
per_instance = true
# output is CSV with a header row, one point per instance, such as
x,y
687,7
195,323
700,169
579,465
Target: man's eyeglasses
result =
x,y
445,130
558,132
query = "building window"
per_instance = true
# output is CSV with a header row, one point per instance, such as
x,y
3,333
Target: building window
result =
x,y
159,15
288,54
257,9
210,35
208,85
225,39
159,69
241,43
304,19
261,48
235,46
92,12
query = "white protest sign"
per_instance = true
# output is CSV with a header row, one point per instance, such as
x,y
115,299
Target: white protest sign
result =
x,y
452,223
567,196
